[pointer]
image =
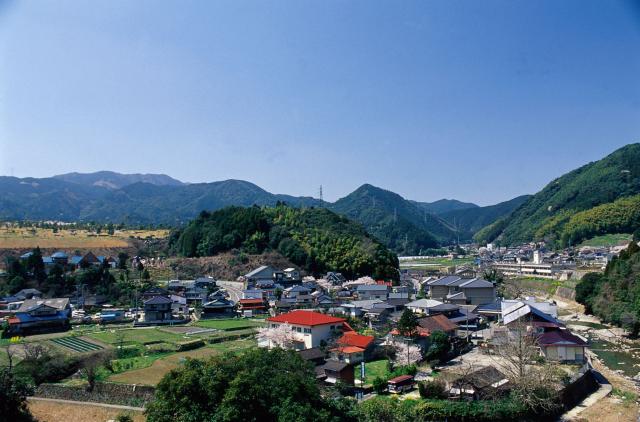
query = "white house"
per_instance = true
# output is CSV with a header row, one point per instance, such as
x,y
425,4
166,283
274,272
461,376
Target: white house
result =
x,y
310,328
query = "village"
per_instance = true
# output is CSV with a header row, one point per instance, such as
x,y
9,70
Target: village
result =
x,y
449,334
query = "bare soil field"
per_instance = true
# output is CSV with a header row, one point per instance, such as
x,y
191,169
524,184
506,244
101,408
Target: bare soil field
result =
x,y
46,411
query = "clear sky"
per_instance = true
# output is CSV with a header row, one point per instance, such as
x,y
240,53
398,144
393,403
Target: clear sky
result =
x,y
474,100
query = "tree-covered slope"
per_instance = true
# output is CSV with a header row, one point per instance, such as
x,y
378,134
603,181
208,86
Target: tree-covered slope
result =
x,y
397,222
615,295
600,182
316,239
442,206
468,221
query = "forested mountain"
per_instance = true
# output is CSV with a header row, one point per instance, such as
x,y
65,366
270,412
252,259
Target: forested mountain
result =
x,y
615,295
444,205
113,180
407,227
398,223
316,239
469,220
552,214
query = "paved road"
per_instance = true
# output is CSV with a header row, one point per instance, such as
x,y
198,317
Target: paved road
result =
x,y
234,288
90,403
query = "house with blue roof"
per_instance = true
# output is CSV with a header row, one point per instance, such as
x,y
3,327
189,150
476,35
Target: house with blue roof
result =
x,y
40,315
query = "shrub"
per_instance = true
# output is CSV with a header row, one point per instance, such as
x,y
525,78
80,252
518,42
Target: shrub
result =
x,y
379,385
190,345
432,390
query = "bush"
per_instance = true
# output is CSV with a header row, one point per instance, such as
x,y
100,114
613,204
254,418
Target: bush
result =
x,y
190,345
124,417
432,390
379,385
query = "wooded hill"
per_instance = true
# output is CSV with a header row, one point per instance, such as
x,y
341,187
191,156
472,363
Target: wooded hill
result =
x,y
316,239
563,212
615,295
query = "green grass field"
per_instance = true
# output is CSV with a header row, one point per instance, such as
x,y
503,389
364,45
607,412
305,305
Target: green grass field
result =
x,y
159,367
374,369
608,240
136,336
229,324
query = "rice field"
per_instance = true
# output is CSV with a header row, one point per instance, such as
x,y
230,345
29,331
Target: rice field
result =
x,y
76,344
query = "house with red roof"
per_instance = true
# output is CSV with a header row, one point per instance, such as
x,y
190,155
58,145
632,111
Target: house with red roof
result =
x,y
353,347
563,346
311,329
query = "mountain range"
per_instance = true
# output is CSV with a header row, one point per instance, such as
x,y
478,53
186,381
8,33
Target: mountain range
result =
x,y
403,225
595,199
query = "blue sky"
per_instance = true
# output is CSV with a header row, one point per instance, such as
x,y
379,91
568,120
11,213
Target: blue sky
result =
x,y
479,101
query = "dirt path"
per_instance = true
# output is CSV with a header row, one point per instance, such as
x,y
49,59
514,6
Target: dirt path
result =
x,y
49,410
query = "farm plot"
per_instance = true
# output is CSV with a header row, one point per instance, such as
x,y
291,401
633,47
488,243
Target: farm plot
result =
x,y
136,336
152,374
76,344
230,324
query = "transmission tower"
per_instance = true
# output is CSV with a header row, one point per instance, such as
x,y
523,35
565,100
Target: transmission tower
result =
x,y
320,192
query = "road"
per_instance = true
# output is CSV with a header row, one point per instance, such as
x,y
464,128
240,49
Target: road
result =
x,y
234,288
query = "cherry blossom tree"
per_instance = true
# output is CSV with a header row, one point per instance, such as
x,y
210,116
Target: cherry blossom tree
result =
x,y
281,336
406,353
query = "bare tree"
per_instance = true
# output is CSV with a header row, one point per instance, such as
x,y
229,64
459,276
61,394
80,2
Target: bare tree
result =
x,y
92,364
517,355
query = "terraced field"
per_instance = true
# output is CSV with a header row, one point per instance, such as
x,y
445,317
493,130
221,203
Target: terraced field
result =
x,y
76,344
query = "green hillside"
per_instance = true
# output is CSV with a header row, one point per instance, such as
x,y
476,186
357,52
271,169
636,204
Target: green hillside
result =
x,y
615,295
543,216
397,222
468,221
315,239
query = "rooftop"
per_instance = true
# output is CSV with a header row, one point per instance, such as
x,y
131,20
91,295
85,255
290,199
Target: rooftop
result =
x,y
307,318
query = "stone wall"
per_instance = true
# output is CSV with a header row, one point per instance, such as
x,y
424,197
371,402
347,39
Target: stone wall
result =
x,y
123,394
566,293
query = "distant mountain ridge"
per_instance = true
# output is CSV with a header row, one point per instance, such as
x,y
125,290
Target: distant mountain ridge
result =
x,y
444,205
405,226
113,180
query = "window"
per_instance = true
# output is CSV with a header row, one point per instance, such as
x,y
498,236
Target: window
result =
x,y
307,330
298,329
332,327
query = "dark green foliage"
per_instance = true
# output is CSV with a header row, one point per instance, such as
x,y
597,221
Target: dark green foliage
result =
x,y
47,367
379,385
407,323
392,410
544,215
615,295
432,389
13,398
259,385
439,347
316,239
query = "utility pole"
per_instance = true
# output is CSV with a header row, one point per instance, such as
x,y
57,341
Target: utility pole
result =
x,y
321,197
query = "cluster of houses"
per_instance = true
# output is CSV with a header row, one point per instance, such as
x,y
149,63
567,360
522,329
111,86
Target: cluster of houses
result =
x,y
465,309
75,261
317,313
